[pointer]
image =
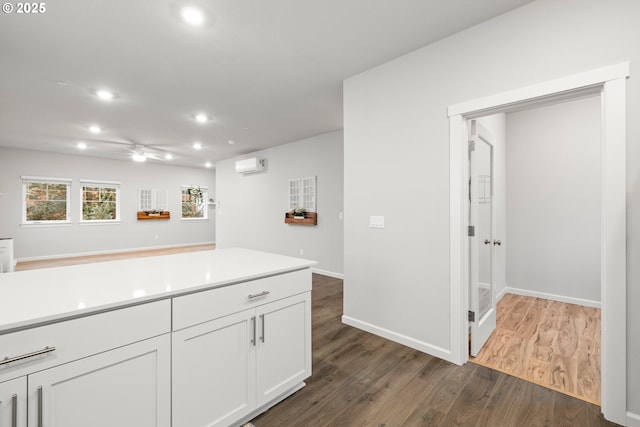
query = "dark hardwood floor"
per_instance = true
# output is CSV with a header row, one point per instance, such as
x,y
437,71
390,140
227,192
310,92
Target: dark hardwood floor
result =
x,y
360,379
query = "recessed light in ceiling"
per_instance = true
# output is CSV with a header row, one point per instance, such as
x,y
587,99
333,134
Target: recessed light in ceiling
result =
x,y
192,16
105,95
95,129
197,145
201,118
208,164
168,156
81,145
231,142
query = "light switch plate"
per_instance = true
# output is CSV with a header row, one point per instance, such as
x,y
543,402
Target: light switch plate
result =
x,y
376,221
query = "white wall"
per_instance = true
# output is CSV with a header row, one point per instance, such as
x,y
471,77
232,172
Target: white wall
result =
x,y
252,207
54,241
553,201
397,157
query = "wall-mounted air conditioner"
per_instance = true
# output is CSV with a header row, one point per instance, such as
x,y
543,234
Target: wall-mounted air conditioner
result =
x,y
251,165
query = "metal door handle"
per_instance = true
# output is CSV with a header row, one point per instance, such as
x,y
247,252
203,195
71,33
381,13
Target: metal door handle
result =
x,y
40,406
14,409
253,321
497,242
262,320
487,241
8,360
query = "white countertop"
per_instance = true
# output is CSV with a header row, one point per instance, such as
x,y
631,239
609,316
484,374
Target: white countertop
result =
x,y
34,297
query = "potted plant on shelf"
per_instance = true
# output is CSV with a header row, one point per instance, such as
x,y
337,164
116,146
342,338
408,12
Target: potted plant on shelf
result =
x,y
299,213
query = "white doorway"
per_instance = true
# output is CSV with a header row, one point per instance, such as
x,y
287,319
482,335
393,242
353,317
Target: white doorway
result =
x,y
609,82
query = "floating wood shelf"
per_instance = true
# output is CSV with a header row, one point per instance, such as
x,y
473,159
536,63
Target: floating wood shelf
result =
x,y
163,215
310,218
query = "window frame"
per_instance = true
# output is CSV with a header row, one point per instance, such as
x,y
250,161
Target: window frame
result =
x,y
26,180
94,183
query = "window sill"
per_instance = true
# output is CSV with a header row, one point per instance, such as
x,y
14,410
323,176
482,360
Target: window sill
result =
x,y
45,224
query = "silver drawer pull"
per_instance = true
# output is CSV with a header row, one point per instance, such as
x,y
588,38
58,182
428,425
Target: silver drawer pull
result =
x,y
259,294
8,360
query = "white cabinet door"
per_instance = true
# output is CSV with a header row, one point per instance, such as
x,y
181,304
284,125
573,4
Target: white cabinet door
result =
x,y
284,345
126,387
214,371
13,403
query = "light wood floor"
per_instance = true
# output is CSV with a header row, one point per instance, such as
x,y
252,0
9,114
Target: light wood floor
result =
x,y
59,262
360,379
551,343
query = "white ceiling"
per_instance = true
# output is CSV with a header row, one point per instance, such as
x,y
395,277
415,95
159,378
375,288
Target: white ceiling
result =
x,y
267,72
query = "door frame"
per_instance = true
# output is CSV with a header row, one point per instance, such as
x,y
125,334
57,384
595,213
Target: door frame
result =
x,y
610,83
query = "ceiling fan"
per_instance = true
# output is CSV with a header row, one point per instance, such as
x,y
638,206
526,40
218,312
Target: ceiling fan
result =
x,y
140,153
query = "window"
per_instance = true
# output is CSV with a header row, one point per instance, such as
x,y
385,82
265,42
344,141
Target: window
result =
x,y
100,201
194,202
302,193
152,199
45,200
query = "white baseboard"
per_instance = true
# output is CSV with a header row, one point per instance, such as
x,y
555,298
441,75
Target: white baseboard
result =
x,y
553,297
399,338
328,273
633,420
112,251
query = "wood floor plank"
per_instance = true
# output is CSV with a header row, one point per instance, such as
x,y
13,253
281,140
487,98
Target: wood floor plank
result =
x,y
554,344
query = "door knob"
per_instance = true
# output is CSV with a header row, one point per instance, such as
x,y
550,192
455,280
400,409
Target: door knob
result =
x,y
487,241
497,242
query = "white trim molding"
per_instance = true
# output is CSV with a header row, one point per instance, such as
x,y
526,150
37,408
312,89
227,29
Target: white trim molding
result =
x,y
399,338
610,83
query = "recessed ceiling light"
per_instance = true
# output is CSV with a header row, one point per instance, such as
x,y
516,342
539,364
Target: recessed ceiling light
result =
x,y
95,129
208,164
192,16
105,94
168,156
201,118
197,145
231,142
81,145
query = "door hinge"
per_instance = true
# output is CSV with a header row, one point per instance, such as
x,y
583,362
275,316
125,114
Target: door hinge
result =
x,y
472,145
472,316
471,232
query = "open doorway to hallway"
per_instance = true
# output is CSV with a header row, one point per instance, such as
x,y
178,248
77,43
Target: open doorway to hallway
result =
x,y
547,271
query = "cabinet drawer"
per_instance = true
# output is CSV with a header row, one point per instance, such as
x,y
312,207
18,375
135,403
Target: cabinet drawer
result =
x,y
81,337
203,306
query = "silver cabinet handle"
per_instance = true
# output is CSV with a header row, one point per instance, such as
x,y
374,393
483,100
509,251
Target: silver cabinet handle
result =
x,y
259,294
14,409
8,360
262,320
40,406
497,242
253,322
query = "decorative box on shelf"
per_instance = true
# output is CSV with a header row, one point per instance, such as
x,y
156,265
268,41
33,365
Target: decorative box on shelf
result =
x,y
154,215
309,218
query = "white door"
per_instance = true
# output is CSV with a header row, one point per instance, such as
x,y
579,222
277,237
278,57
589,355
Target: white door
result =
x,y
284,345
126,387
214,371
482,301
13,403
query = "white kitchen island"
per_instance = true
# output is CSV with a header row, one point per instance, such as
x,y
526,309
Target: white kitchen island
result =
x,y
207,338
